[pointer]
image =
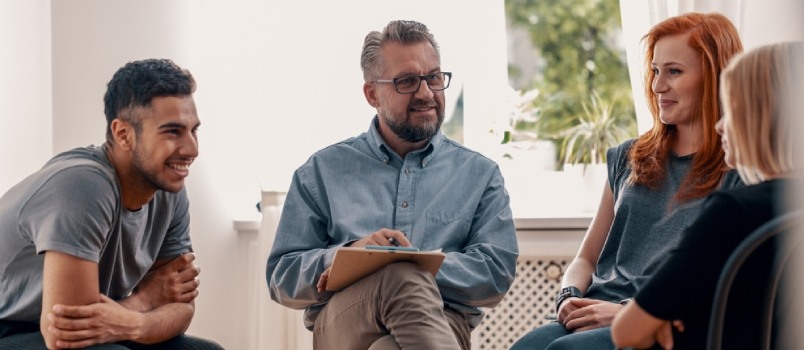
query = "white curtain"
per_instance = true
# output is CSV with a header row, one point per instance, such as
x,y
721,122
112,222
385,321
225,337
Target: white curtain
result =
x,y
638,16
759,23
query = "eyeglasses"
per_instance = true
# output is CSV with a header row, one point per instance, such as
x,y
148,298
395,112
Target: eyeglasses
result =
x,y
411,83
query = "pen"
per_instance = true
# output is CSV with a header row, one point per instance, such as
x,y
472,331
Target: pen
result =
x,y
393,241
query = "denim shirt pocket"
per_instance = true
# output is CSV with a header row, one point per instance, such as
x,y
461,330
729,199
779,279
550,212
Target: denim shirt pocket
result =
x,y
447,231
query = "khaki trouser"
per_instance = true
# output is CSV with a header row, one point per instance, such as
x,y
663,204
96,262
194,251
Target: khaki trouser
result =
x,y
397,307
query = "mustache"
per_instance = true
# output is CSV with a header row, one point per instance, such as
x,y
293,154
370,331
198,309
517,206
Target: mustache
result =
x,y
423,103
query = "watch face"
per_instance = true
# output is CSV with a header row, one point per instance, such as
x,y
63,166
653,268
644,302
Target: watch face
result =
x,y
570,291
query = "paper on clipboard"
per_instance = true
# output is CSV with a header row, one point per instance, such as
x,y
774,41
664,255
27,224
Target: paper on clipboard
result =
x,y
351,264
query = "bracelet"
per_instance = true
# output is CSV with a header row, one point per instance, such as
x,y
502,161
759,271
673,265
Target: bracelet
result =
x,y
566,293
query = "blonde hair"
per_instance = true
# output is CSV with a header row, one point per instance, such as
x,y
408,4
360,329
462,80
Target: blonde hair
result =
x,y
760,89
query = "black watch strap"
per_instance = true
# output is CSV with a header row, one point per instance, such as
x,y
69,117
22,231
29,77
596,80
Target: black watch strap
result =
x,y
566,293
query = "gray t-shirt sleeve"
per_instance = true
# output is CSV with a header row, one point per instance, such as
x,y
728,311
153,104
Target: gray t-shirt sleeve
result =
x,y
617,165
72,213
177,240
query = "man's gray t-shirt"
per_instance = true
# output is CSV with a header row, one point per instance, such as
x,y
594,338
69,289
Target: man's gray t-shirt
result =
x,y
647,225
72,205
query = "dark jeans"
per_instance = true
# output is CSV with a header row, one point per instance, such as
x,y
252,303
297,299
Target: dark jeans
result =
x,y
554,336
26,335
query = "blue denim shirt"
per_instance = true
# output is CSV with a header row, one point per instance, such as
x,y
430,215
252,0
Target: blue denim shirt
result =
x,y
443,196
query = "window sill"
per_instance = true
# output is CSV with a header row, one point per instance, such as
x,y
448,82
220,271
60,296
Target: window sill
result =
x,y
580,222
248,225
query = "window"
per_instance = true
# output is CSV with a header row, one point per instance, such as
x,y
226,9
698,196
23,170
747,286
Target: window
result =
x,y
571,100
481,100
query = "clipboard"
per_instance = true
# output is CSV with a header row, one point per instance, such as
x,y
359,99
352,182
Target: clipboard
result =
x,y
351,264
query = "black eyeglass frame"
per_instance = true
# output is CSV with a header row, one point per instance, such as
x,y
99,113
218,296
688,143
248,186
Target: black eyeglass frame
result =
x,y
421,78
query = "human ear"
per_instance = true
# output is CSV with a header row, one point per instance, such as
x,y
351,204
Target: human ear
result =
x,y
370,91
122,133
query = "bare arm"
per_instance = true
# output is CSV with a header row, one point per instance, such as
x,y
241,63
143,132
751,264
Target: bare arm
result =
x,y
580,270
168,281
635,327
108,321
66,280
75,315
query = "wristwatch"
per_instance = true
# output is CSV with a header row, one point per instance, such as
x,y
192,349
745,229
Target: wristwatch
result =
x,y
566,293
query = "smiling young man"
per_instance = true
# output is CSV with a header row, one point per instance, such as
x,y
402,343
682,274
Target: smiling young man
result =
x,y
96,246
400,182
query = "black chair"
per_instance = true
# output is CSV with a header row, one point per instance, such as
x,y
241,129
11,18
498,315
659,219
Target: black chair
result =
x,y
782,226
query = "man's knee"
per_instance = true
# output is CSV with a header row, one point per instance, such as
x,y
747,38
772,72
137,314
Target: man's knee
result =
x,y
387,342
404,268
402,274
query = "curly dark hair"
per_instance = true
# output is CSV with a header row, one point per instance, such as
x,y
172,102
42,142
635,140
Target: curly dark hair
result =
x,y
137,83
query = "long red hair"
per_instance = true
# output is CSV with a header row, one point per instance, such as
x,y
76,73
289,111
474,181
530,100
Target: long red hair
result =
x,y
716,41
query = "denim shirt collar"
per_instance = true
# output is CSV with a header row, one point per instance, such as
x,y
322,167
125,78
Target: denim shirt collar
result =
x,y
385,154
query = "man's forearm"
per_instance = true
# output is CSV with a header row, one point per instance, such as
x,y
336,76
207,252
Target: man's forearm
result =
x,y
165,322
136,303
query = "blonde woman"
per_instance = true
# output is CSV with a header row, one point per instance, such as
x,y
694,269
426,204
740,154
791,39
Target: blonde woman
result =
x,y
757,135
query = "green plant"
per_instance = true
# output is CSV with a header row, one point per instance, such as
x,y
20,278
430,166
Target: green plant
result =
x,y
576,54
597,129
576,49
523,110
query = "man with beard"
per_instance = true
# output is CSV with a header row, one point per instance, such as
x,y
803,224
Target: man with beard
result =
x,y
96,246
400,183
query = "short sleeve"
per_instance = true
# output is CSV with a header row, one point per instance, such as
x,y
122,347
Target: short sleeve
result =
x,y
177,240
72,212
617,161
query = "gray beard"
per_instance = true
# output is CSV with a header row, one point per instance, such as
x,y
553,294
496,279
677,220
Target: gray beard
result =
x,y
410,133
414,134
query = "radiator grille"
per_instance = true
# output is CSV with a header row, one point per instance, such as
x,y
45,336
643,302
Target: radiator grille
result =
x,y
531,298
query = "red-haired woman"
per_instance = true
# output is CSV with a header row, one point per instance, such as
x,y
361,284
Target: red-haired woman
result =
x,y
656,183
759,90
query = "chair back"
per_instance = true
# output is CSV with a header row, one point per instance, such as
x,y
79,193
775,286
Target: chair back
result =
x,y
780,226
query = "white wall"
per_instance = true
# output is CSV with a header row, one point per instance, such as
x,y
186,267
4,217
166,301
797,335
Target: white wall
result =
x,y
759,22
25,103
766,22
91,40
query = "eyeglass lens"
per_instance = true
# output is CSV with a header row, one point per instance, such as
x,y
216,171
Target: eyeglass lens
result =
x,y
436,82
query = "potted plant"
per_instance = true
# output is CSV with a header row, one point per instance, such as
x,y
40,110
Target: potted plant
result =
x,y
584,144
596,130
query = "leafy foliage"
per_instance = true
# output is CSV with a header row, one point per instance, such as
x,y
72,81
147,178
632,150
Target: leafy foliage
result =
x,y
597,130
583,73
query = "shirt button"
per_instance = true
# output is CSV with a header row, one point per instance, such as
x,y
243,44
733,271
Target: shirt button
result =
x,y
407,171
404,204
